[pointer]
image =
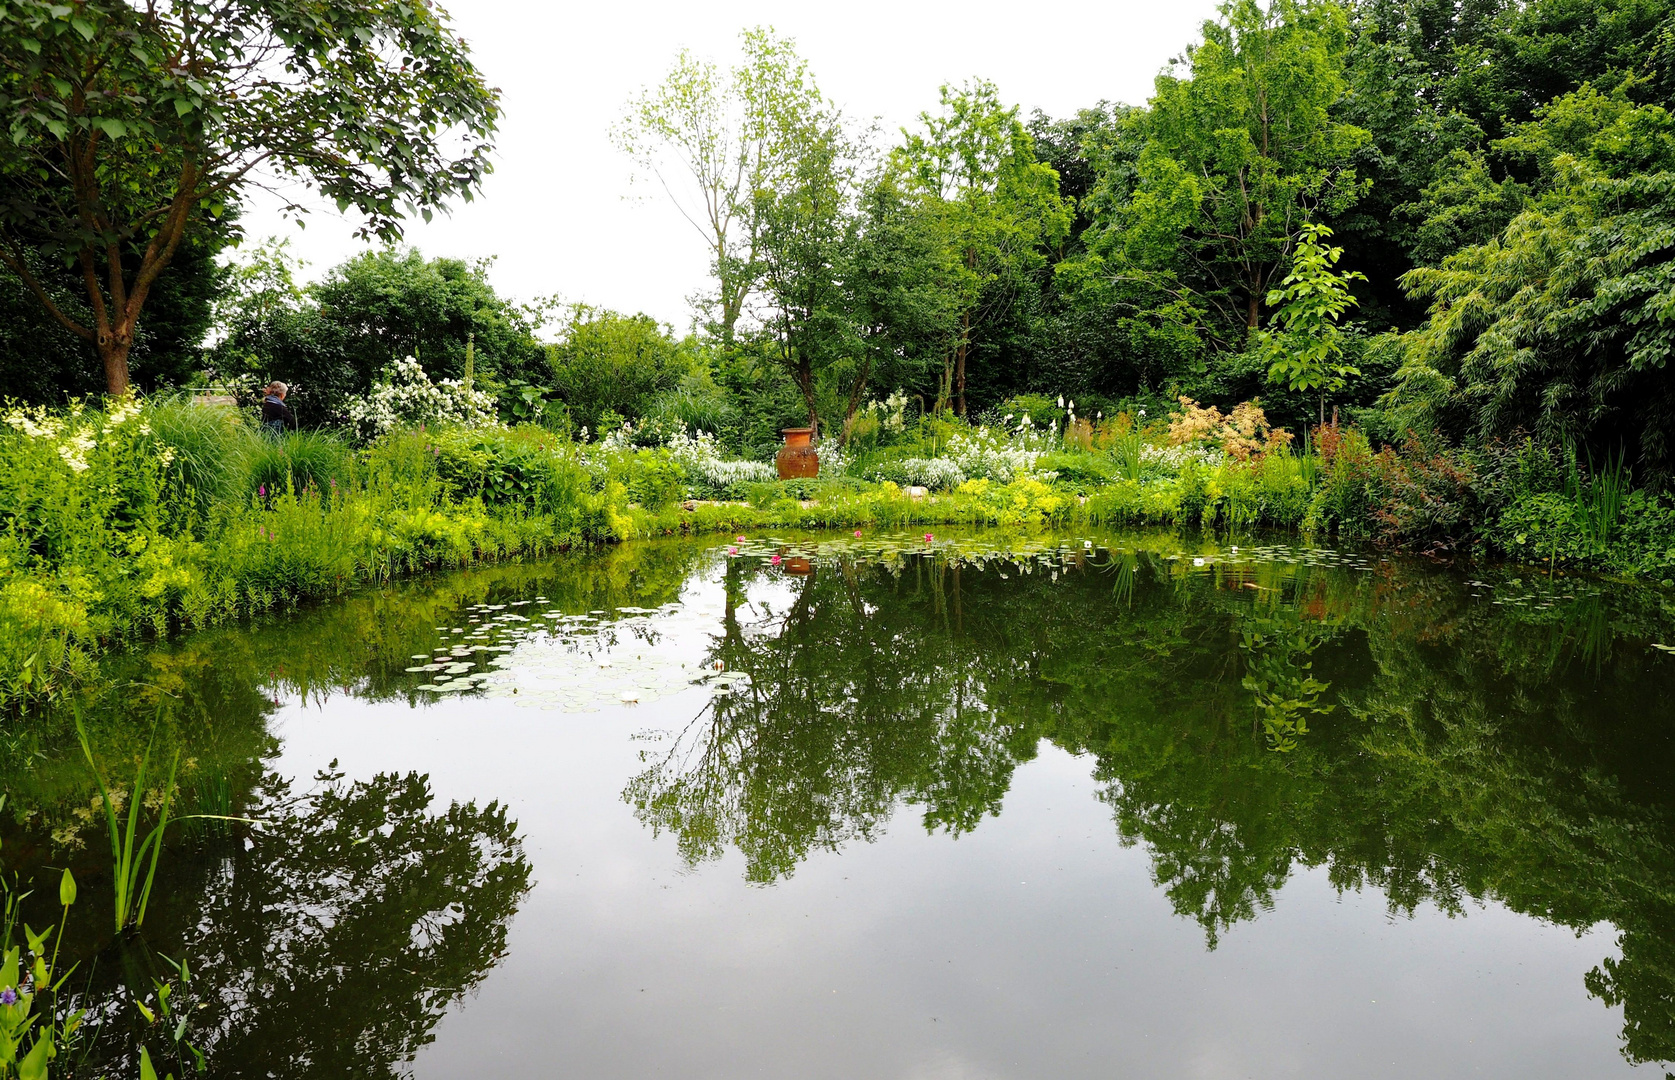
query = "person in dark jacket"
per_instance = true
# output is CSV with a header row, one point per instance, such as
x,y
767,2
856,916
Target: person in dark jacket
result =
x,y
276,415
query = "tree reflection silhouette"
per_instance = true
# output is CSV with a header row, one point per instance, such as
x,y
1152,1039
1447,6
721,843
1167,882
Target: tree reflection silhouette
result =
x,y
1447,741
1459,750
327,943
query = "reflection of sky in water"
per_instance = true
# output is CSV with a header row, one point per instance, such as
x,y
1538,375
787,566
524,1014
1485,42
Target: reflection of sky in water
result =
x,y
1035,945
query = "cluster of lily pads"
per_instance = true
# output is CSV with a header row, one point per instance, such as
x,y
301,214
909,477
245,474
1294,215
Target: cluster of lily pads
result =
x,y
576,661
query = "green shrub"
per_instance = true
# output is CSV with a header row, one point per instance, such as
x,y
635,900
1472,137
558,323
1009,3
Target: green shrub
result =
x,y
1192,488
695,404
42,638
1343,502
1080,471
655,479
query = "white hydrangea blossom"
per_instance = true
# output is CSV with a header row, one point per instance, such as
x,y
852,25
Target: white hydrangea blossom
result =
x,y
406,396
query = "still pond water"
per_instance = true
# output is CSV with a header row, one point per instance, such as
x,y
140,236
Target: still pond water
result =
x,y
989,806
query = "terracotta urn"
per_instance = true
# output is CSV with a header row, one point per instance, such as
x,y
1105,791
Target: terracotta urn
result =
x,y
797,459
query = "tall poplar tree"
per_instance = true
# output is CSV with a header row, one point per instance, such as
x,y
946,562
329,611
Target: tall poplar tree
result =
x,y
713,139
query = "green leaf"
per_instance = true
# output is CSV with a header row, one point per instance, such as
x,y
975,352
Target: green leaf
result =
x,y
34,1065
146,1071
84,28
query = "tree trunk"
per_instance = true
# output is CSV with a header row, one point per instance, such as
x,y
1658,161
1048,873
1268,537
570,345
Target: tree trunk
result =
x,y
113,353
853,405
959,365
805,383
730,308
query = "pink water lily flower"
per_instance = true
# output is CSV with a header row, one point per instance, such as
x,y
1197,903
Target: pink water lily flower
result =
x,y
774,560
929,538
732,551
740,539
857,534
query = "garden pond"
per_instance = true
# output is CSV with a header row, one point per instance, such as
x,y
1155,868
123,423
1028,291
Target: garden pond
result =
x,y
977,805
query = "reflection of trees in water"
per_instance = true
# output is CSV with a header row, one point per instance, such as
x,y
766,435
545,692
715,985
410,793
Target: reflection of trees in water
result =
x,y
333,942
1471,752
1514,752
853,703
1278,644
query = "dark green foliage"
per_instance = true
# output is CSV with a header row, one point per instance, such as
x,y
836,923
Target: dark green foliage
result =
x,y
42,362
608,362
332,340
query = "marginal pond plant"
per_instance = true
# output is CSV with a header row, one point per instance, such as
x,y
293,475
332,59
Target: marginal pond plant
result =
x,y
32,1031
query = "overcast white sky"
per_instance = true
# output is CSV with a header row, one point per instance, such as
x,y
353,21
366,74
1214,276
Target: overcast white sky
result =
x,y
554,211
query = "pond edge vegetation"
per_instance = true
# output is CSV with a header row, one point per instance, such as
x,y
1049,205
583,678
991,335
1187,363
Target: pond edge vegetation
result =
x,y
145,518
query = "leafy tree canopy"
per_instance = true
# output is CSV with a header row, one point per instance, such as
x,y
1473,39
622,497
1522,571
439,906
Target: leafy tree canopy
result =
x,y
333,338
131,126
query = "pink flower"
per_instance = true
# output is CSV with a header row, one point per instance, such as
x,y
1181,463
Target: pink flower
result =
x,y
262,490
740,539
732,551
774,560
857,534
929,538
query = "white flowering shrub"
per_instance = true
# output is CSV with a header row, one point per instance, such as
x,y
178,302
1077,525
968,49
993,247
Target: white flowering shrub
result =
x,y
833,463
700,456
1174,458
891,412
1000,455
985,456
406,397
621,438
938,474
725,476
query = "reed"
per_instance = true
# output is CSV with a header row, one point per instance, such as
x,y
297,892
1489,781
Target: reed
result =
x,y
1596,497
132,895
